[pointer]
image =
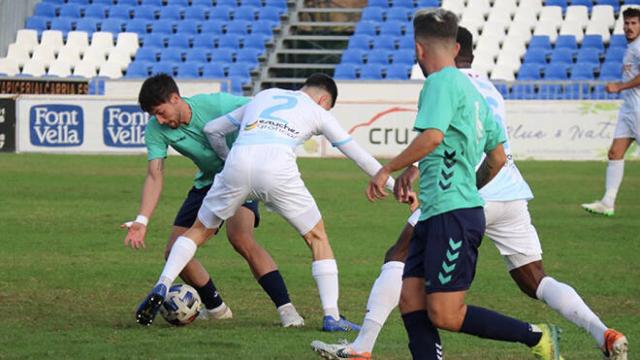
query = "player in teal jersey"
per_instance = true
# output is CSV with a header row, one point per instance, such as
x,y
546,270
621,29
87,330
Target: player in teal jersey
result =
x,y
456,126
178,122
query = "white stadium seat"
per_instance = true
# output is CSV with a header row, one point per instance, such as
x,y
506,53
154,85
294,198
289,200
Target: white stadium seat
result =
x,y
111,70
599,29
85,69
59,68
532,6
551,16
102,40
27,39
578,14
120,57
501,73
127,41
455,6
572,28
603,14
44,54
508,6
94,55
18,53
548,29
9,66
34,68
70,55
53,39
78,40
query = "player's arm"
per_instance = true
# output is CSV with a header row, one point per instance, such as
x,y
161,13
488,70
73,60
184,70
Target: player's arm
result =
x,y
616,87
217,129
151,191
491,165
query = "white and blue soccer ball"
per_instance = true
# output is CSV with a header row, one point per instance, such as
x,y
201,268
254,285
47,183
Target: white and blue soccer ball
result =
x,y
181,305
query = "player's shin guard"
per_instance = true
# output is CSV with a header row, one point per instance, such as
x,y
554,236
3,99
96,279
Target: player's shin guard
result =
x,y
273,284
488,324
325,272
181,253
424,339
566,301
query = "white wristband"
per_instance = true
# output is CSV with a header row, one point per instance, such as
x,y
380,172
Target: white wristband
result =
x,y
416,164
142,220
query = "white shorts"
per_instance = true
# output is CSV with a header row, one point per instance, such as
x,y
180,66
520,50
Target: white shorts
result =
x,y
509,227
260,172
628,126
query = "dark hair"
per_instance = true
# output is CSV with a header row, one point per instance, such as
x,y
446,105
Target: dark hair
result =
x,y
465,39
156,90
631,12
324,82
440,23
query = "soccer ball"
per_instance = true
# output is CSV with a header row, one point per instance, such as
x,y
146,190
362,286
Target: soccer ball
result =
x,y
181,306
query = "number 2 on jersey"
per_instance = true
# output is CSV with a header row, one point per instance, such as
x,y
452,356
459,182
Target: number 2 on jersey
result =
x,y
269,113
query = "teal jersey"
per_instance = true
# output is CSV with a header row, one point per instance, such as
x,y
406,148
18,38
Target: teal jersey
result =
x,y
451,104
190,140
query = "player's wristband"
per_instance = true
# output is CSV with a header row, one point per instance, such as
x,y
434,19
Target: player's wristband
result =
x,y
416,164
141,219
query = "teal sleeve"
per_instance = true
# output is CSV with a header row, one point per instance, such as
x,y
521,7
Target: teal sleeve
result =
x,y
156,146
437,104
229,102
494,132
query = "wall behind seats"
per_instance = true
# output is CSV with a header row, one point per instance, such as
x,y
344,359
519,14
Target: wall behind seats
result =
x,y
12,17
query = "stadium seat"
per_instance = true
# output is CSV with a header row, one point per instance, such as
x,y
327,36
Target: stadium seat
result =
x,y
373,14
398,14
88,25
148,12
128,2
155,40
231,41
555,72
46,9
455,6
78,40
103,2
44,55
163,27
239,27
138,69
37,23
615,4
269,13
245,13
594,42
9,67
378,3
120,57
614,55
51,38
171,12
32,67
212,26
503,74
188,28
239,70
201,55
535,56
231,3
255,41
204,40
588,55
63,24
603,14
362,42
112,25
150,2
166,67
582,72
262,27
18,54
181,41
249,56
27,39
547,91
371,72
199,13
102,39
148,54
213,71
379,57
189,70
345,72
427,4
139,26
566,42
110,70
120,12
353,56
530,72
369,28
94,55
171,55
403,57
540,42
562,56
95,11
223,55
392,28
69,55
382,42
406,42
181,3
221,13
71,11
397,72
595,28
618,41
408,4
254,3
611,72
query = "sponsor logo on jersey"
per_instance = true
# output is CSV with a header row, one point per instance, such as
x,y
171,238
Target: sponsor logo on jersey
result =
x,y
124,125
56,125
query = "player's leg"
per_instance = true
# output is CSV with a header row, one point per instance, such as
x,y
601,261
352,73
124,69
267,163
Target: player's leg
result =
x,y
241,236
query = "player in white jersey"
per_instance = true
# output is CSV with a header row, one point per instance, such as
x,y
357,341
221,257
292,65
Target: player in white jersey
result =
x,y
628,125
262,166
508,226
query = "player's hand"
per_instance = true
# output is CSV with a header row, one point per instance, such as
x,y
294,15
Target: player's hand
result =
x,y
412,200
375,190
404,184
613,87
135,234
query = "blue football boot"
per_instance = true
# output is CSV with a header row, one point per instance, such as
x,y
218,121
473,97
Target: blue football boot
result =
x,y
148,309
342,324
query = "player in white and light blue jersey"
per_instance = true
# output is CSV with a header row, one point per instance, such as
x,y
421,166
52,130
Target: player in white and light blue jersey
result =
x,y
628,125
508,226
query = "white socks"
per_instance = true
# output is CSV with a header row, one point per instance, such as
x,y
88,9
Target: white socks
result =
x,y
325,272
181,253
384,297
564,299
615,171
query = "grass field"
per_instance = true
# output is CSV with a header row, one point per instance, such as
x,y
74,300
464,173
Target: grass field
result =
x,y
69,287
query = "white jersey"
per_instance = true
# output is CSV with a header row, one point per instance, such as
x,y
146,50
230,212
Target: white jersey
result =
x,y
508,184
631,69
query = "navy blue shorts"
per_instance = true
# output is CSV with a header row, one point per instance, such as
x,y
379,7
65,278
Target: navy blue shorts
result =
x,y
189,211
444,250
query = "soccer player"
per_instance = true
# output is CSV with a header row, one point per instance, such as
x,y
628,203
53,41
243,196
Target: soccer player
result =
x,y
628,125
178,122
508,226
262,166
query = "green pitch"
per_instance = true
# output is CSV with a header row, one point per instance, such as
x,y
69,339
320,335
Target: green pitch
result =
x,y
69,287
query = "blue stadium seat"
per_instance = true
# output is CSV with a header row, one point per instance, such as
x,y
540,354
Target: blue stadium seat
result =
x,y
392,28
614,3
614,55
562,56
162,27
269,13
112,25
171,12
352,56
247,13
128,2
540,42
362,42
207,3
95,11
198,13
372,14
345,72
587,3
582,72
213,27
281,5
138,69
261,27
188,70
239,27
371,72
103,2
231,3
204,40
150,2
201,55
63,24
224,55
254,3
120,12
588,55
46,10
138,26
240,70
79,2
523,92
556,72
406,43
398,14
146,12
181,3
182,41
535,56
618,41
189,28
213,71
404,57
384,42
155,40
71,11
168,68
611,71
379,57
566,42
221,13
530,72
37,23
503,89
398,72
378,3
238,83
255,41
251,63
408,4
427,4
231,41
548,91
369,28
148,54
593,42
248,55
89,25
561,3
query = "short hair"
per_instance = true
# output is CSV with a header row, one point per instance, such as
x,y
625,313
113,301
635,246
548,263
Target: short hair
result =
x,y
465,39
631,12
440,23
324,82
156,90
